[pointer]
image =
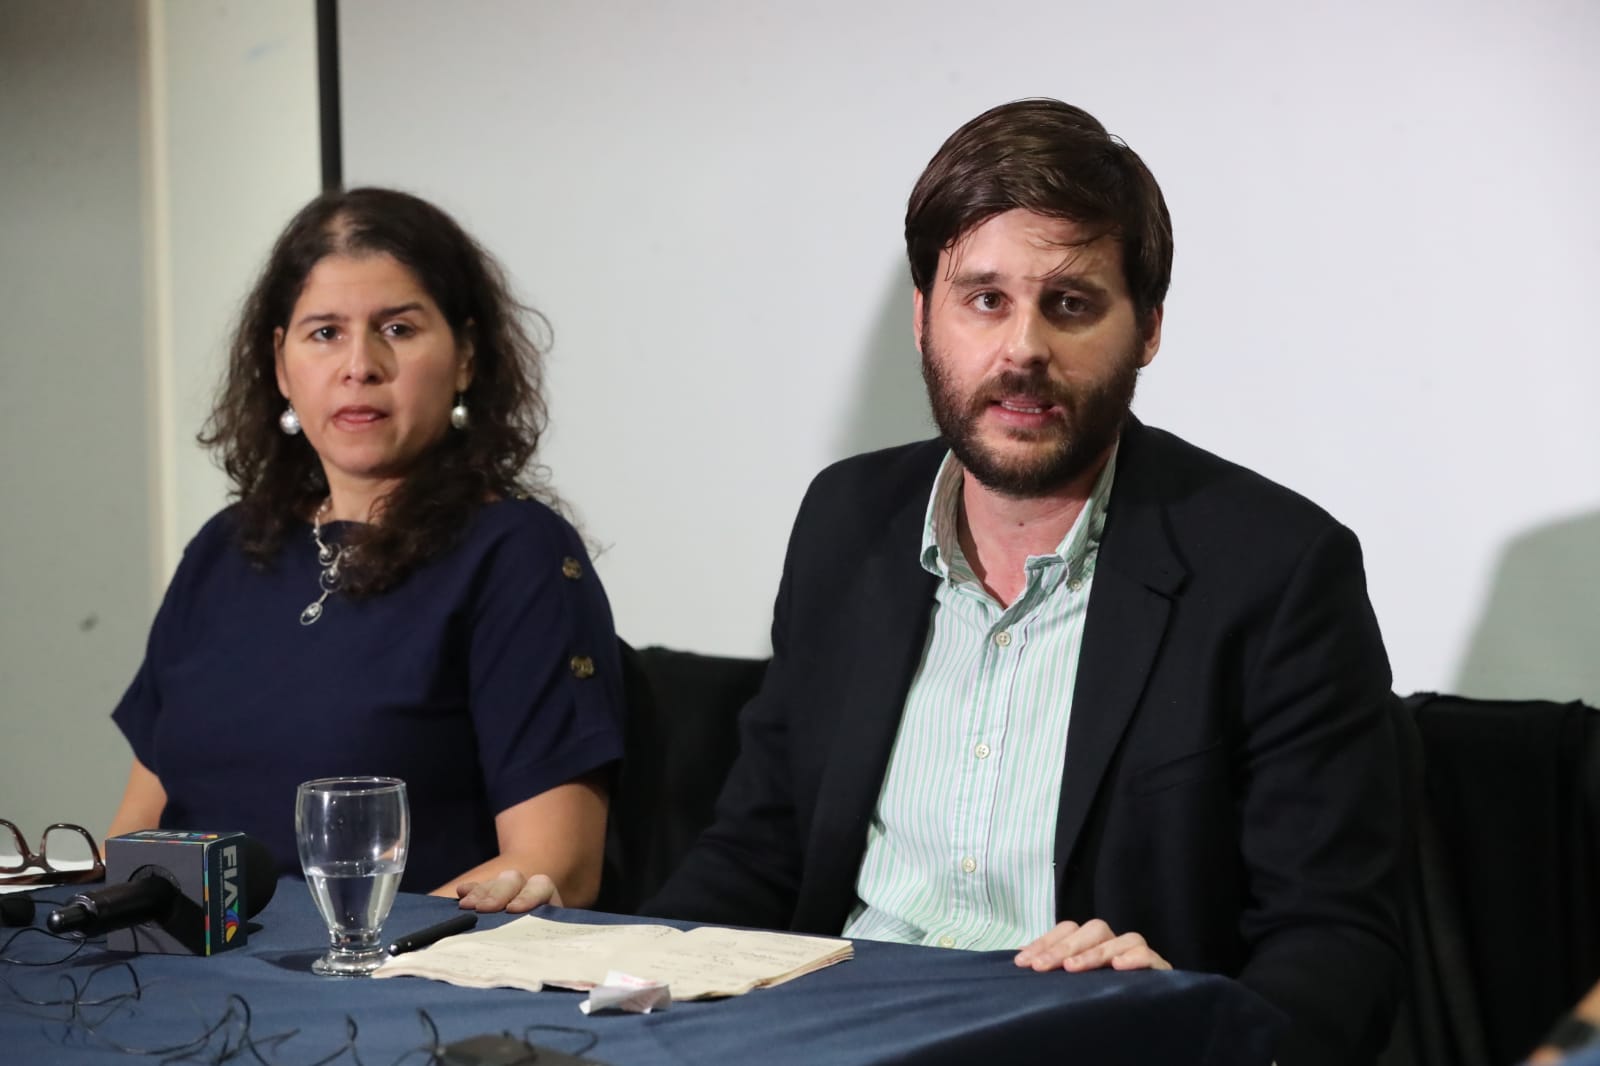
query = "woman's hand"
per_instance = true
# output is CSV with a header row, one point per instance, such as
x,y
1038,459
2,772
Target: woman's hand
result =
x,y
561,833
508,891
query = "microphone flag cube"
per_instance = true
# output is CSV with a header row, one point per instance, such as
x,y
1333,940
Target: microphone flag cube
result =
x,y
206,914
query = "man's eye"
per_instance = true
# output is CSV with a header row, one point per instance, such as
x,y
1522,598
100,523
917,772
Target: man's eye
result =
x,y
1071,306
987,301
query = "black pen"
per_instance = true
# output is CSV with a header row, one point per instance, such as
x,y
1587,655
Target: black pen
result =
x,y
433,934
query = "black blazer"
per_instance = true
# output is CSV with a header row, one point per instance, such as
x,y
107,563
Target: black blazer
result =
x,y
1231,787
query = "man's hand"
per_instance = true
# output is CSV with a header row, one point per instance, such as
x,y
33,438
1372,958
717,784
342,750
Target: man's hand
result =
x,y
508,891
1074,947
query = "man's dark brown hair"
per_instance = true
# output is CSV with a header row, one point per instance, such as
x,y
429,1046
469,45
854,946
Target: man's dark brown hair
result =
x,y
1053,159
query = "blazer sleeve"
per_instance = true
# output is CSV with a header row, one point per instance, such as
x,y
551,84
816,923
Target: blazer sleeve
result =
x,y
1320,819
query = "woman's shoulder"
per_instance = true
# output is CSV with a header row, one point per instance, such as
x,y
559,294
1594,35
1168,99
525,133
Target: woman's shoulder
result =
x,y
519,548
219,536
212,564
526,521
519,540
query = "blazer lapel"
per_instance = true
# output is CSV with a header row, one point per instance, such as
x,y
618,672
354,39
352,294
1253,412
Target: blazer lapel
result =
x,y
1136,575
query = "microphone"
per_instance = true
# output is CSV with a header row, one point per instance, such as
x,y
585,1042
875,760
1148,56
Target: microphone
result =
x,y
16,910
174,892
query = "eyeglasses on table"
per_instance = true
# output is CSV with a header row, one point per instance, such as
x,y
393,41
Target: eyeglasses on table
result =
x,y
64,848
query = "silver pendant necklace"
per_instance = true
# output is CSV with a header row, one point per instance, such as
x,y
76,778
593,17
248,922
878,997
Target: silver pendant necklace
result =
x,y
329,559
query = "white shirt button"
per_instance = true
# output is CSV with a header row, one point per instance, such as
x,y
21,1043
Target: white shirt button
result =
x,y
981,751
968,864
947,941
1002,639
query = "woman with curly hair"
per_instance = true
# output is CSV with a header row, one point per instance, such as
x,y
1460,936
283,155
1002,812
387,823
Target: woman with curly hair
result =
x,y
385,595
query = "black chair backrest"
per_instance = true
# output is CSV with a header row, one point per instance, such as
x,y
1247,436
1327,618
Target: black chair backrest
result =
x,y
1440,1023
1502,919
681,738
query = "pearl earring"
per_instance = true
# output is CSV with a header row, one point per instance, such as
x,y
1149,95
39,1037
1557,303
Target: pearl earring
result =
x,y
289,422
459,416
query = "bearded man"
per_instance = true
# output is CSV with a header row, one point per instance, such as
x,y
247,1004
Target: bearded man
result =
x,y
1058,681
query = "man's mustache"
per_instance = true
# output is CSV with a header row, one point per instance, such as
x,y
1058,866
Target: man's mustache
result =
x,y
1017,385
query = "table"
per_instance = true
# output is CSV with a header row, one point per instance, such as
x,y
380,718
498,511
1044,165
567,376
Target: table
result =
x,y
891,1004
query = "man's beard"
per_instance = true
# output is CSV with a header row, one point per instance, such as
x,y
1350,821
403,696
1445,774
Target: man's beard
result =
x,y
1091,419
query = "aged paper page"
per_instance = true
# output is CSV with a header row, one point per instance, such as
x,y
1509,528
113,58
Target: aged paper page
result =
x,y
528,953
711,961
531,952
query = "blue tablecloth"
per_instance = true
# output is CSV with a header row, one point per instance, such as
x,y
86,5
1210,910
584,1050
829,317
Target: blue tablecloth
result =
x,y
890,1004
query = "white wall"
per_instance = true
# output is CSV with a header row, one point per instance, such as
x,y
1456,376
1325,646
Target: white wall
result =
x,y
235,153
75,542
1386,241
152,153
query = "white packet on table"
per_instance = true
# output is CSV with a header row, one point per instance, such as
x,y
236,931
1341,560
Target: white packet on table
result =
x,y
625,992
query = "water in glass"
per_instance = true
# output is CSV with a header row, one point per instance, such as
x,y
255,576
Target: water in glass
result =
x,y
354,895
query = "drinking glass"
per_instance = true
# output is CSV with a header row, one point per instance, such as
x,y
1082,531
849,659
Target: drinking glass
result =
x,y
353,833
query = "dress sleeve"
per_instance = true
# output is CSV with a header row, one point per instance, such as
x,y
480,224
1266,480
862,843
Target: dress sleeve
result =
x,y
139,710
136,712
544,670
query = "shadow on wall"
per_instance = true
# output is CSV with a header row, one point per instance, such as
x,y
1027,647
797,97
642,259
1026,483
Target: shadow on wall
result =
x,y
1539,635
888,404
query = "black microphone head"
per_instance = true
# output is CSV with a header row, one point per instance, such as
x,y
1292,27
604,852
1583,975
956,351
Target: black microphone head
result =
x,y
260,875
16,910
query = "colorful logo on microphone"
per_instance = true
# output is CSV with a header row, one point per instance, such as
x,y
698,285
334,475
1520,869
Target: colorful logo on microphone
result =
x,y
230,892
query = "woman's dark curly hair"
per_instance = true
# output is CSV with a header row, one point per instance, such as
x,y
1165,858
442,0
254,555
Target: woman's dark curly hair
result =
x,y
278,480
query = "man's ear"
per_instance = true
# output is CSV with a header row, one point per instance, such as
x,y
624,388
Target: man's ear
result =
x,y
1152,337
918,302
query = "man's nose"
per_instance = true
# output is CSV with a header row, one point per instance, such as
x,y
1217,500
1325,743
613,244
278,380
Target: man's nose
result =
x,y
1028,341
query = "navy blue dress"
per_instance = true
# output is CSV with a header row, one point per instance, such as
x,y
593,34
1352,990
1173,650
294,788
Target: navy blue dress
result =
x,y
486,677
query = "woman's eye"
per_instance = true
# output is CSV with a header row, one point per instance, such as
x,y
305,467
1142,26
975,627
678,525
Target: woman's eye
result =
x,y
325,333
399,329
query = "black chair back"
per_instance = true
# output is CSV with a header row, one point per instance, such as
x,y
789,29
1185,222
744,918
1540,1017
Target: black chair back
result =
x,y
681,738
1501,917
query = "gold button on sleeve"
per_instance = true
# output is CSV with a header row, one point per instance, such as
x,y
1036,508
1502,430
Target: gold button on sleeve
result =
x,y
582,666
571,569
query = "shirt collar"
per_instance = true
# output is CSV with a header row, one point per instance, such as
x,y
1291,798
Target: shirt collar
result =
x,y
941,553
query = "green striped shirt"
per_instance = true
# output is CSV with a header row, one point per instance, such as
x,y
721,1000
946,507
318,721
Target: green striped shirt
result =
x,y
960,847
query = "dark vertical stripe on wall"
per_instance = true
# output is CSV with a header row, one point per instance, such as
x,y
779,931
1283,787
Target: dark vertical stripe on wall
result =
x,y
328,94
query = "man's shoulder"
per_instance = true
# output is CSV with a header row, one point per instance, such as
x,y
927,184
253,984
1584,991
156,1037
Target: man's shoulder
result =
x,y
1198,484
868,501
887,476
